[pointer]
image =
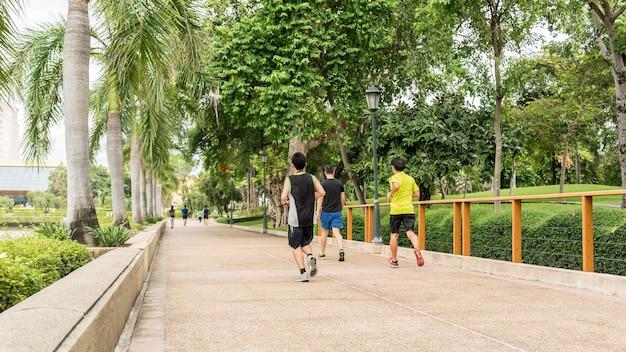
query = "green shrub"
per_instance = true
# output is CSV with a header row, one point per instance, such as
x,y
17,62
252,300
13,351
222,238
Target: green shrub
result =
x,y
57,230
111,236
154,219
30,263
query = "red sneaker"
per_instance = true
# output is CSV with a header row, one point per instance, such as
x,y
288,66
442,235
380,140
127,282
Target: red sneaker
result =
x,y
418,256
393,263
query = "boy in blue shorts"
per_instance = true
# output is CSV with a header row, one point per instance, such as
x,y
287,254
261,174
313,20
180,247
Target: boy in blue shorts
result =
x,y
330,211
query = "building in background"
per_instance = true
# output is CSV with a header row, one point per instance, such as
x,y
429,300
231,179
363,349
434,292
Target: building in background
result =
x,y
16,177
17,180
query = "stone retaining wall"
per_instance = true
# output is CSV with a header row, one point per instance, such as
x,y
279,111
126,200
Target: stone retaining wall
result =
x,y
86,310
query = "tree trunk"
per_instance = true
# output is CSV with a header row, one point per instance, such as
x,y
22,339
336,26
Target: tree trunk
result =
x,y
345,159
142,190
81,211
115,158
563,167
159,201
135,180
513,181
149,194
497,44
615,60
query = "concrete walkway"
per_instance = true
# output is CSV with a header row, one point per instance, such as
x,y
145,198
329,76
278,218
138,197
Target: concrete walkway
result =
x,y
217,288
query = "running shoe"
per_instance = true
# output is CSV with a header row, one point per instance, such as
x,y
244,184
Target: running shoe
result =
x,y
393,263
418,256
312,266
342,256
321,256
304,277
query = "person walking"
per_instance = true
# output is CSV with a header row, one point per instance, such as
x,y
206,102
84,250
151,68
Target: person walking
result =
x,y
185,213
172,214
199,215
300,191
330,211
401,212
205,215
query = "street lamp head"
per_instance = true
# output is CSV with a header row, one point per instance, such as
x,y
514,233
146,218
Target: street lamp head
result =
x,y
263,156
372,95
232,178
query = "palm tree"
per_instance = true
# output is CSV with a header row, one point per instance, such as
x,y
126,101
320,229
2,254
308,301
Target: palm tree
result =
x,y
81,211
149,49
138,70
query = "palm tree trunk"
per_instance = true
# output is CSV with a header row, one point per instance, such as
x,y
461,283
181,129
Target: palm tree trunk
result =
x,y
149,194
115,158
135,180
142,190
159,200
81,211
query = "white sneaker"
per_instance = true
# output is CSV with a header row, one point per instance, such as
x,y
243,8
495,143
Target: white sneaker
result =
x,y
304,277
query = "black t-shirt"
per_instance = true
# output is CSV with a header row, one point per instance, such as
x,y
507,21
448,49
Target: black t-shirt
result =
x,y
332,200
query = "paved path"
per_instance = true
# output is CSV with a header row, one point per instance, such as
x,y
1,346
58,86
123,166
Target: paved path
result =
x,y
216,288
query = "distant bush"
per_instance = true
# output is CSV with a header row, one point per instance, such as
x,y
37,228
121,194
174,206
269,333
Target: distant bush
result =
x,y
111,236
30,263
154,219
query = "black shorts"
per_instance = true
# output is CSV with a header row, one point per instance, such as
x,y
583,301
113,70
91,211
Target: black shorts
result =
x,y
408,220
300,236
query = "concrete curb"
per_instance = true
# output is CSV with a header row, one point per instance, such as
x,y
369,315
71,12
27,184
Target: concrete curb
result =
x,y
86,310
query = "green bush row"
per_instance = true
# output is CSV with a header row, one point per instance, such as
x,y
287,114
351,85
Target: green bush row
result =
x,y
226,220
551,234
30,263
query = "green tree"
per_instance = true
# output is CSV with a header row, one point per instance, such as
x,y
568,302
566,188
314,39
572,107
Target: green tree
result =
x,y
7,203
295,72
487,28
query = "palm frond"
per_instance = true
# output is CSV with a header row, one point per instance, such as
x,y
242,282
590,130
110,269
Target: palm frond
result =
x,y
39,71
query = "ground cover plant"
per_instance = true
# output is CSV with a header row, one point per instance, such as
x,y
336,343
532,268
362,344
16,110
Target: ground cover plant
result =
x,y
30,263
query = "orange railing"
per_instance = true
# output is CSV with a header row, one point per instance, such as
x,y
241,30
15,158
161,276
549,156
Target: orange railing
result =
x,y
462,229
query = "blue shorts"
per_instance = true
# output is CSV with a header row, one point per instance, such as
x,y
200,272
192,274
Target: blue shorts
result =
x,y
329,220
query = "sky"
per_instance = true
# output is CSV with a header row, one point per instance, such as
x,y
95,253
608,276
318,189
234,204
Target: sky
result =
x,y
40,11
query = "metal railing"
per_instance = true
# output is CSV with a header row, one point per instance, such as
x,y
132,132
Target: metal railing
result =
x,y
461,221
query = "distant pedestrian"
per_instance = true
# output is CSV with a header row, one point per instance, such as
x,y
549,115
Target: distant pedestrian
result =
x,y
205,215
330,211
185,213
199,215
300,191
172,214
401,211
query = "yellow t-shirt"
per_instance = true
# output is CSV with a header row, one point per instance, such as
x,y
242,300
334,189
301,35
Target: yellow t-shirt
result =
x,y
402,200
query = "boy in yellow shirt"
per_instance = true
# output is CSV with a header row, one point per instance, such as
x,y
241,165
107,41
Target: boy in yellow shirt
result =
x,y
403,190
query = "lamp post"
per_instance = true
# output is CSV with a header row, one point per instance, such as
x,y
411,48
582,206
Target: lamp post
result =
x,y
372,95
232,180
264,161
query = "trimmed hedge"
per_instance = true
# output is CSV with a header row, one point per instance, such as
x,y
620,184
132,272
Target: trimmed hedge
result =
x,y
226,220
551,234
30,263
